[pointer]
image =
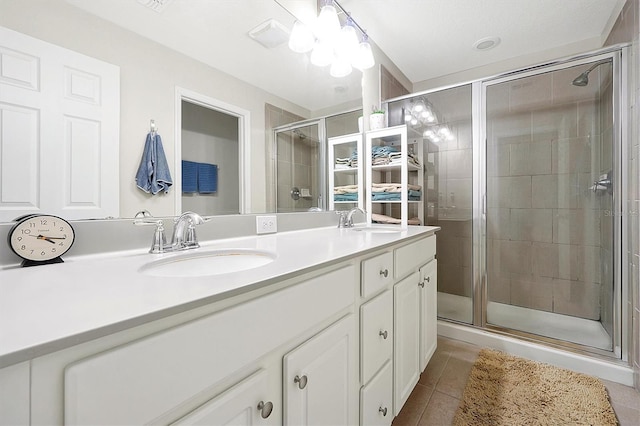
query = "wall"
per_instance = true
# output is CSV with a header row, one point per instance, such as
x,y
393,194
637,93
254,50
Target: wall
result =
x,y
627,29
210,136
149,74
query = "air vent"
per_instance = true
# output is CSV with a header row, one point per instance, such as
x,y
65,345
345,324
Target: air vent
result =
x,y
270,34
156,5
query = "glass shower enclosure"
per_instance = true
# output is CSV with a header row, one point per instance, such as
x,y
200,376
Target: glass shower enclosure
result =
x,y
523,175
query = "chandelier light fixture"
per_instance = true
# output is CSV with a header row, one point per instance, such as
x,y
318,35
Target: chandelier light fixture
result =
x,y
333,44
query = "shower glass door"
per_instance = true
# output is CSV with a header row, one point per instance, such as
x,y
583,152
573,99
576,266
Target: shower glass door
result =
x,y
550,185
300,170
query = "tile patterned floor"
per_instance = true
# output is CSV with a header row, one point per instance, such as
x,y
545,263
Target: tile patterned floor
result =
x,y
436,397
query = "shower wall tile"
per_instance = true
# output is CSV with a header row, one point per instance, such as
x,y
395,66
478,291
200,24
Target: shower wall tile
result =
x,y
497,220
510,128
546,260
498,160
558,122
571,156
520,192
576,298
530,158
588,118
499,288
530,92
464,133
459,163
531,225
516,256
532,293
576,226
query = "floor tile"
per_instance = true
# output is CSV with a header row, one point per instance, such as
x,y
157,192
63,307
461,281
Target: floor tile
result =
x,y
414,407
440,411
454,377
432,373
623,395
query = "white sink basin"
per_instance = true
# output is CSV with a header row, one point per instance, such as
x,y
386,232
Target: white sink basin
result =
x,y
377,230
208,262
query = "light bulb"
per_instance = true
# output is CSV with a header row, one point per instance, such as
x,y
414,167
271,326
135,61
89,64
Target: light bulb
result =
x,y
322,53
419,106
301,39
347,41
328,24
407,117
414,121
363,59
340,67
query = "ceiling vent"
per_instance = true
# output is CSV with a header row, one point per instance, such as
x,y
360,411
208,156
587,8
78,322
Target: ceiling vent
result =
x,y
155,5
270,34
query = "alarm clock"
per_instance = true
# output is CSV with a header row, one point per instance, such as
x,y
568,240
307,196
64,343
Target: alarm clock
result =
x,y
41,239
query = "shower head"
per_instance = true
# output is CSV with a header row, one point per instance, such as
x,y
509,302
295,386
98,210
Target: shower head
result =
x,y
583,79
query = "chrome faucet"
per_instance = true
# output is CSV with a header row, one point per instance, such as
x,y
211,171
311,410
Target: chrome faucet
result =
x,y
184,232
346,217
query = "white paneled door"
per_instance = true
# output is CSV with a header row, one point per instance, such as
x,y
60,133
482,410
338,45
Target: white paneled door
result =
x,y
59,131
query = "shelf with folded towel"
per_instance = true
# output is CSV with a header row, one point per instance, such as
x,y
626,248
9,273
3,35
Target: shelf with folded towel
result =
x,y
394,175
346,176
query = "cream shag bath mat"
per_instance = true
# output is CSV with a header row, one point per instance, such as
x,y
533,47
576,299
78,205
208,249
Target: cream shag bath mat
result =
x,y
507,390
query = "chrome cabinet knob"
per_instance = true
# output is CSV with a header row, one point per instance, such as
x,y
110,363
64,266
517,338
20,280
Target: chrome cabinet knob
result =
x,y
421,284
384,334
301,381
265,408
384,273
428,279
383,411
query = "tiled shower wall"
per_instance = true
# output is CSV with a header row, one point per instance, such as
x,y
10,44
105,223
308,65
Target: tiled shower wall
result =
x,y
543,224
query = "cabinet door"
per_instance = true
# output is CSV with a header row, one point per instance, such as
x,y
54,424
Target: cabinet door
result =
x,y
246,403
406,363
14,394
320,378
428,312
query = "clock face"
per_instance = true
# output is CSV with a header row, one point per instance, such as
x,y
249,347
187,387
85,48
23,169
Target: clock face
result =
x,y
40,238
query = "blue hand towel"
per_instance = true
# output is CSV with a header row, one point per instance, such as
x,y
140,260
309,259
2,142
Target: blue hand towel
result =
x,y
189,177
207,178
153,173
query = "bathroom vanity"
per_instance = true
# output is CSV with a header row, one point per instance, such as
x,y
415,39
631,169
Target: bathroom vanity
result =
x,y
334,329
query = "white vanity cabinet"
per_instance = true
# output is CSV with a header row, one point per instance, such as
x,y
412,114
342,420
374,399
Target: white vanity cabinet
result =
x,y
428,311
14,395
320,378
406,309
152,378
244,404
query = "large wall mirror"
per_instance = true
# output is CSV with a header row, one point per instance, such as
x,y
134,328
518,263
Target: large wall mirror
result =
x,y
203,47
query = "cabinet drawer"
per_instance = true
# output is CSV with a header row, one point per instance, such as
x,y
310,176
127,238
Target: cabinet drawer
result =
x,y
376,399
376,334
135,383
377,273
408,258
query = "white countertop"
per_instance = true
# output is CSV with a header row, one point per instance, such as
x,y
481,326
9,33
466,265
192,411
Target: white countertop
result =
x,y
47,308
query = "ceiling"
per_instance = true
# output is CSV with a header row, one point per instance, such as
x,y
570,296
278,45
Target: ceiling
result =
x,y
424,38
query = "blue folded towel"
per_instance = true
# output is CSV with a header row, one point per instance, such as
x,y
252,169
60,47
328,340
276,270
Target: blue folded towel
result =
x,y
189,176
153,173
207,178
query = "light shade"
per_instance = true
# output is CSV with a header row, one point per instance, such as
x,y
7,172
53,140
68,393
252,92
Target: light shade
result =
x,y
347,41
322,53
340,67
363,59
328,24
301,39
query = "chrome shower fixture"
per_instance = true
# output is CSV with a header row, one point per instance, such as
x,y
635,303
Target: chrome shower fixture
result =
x,y
583,79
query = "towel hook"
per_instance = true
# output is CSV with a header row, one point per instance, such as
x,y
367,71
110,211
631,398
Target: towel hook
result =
x,y
154,129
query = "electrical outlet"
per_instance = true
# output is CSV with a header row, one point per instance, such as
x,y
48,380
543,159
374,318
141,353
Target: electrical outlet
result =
x,y
266,224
